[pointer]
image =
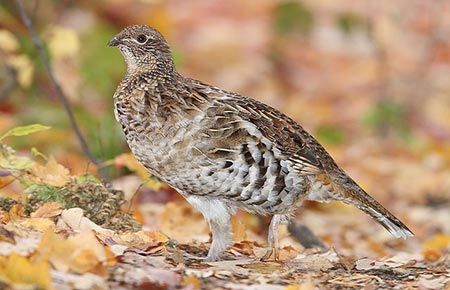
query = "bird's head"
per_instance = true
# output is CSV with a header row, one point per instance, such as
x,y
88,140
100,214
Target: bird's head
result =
x,y
144,49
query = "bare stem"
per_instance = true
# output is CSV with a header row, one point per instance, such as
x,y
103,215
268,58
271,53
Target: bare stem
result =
x,y
59,92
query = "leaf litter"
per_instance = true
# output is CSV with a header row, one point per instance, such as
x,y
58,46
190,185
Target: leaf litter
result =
x,y
73,230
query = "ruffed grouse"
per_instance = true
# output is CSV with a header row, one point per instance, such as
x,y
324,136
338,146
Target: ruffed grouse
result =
x,y
223,151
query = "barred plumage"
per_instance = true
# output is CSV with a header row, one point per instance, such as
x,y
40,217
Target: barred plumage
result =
x,y
223,151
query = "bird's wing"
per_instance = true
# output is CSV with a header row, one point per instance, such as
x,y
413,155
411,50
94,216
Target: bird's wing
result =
x,y
255,118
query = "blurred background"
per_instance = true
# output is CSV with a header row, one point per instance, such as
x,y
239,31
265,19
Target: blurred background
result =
x,y
370,79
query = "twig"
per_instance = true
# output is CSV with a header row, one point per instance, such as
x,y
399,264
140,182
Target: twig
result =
x,y
59,92
35,9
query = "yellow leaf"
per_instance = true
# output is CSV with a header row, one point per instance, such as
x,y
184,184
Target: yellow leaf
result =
x,y
51,173
24,68
57,249
63,42
79,253
84,261
40,224
110,257
439,242
47,210
8,42
128,160
21,273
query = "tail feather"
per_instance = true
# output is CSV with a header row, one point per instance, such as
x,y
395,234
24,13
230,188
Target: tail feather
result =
x,y
343,188
356,196
389,221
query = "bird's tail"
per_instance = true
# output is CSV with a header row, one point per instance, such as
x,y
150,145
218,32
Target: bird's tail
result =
x,y
356,196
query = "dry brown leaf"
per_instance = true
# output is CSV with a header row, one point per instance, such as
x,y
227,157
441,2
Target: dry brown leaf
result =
x,y
288,253
48,210
157,236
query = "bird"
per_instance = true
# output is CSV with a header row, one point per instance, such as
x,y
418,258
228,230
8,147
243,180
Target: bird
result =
x,y
223,151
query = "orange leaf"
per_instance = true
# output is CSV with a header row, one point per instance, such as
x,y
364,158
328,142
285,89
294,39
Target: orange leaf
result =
x,y
431,255
191,281
16,212
439,242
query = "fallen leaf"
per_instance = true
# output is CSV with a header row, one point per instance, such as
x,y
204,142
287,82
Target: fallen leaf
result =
x,y
180,222
48,210
21,273
79,253
239,230
439,242
24,68
368,264
16,212
192,282
52,173
39,224
128,160
436,283
431,255
73,218
4,217
8,42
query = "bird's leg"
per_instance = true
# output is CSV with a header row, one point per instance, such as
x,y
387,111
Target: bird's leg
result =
x,y
272,238
221,238
218,215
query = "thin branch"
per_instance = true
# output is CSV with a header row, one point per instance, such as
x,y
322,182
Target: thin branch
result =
x,y
59,92
35,9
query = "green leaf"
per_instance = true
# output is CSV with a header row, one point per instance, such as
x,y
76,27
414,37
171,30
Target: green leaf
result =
x,y
24,130
291,16
17,163
330,134
349,22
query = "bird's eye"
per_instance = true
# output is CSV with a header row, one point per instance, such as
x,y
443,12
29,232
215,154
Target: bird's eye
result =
x,y
141,38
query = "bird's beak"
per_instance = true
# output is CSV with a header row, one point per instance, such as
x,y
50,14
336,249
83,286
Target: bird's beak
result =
x,y
114,41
